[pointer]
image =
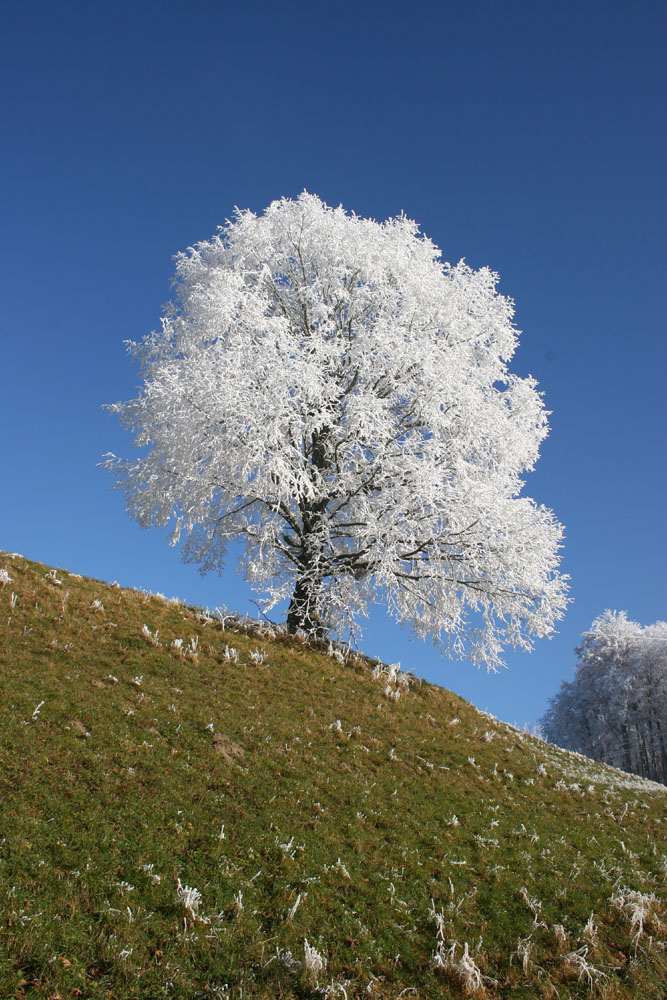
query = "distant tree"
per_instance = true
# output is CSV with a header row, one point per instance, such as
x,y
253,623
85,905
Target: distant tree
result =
x,y
327,391
615,709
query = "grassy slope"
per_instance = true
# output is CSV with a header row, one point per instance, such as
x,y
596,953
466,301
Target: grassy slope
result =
x,y
355,821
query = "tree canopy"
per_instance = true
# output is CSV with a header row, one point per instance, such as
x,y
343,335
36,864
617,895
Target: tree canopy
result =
x,y
326,390
615,709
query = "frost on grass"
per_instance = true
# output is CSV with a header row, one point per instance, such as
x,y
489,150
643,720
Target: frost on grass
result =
x,y
534,905
577,962
297,903
592,773
285,958
560,934
190,898
314,962
640,909
335,991
339,867
524,946
438,957
463,967
590,931
469,972
151,637
394,679
335,653
289,848
154,877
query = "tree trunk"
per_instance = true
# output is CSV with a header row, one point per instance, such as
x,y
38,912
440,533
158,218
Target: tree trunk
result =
x,y
304,612
626,749
305,607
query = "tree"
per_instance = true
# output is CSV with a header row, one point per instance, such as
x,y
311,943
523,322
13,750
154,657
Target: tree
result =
x,y
615,710
326,390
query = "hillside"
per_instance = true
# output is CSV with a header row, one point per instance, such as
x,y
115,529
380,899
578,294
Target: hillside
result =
x,y
191,811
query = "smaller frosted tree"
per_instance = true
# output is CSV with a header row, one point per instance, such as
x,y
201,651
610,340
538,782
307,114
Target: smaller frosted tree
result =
x,y
325,390
615,709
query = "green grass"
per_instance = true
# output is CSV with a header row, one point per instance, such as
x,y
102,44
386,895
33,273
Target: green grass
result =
x,y
353,820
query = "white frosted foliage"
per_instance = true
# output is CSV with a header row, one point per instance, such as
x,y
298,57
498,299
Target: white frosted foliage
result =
x,y
615,708
325,389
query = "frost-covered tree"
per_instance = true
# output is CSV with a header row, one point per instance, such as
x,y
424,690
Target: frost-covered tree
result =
x,y
615,709
324,389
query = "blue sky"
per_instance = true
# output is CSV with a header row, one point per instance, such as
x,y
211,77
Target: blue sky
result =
x,y
524,136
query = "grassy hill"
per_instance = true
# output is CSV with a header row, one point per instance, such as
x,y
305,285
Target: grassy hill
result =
x,y
194,811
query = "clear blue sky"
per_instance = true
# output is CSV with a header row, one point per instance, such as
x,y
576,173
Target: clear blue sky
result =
x,y
526,136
